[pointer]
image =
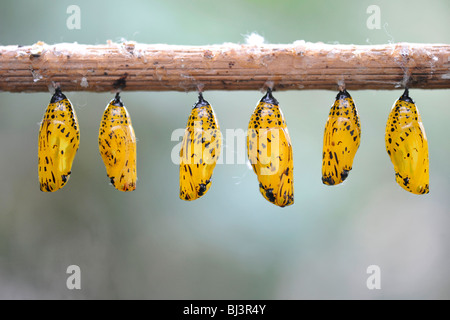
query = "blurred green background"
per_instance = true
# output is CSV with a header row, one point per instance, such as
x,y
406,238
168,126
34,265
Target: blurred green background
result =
x,y
230,244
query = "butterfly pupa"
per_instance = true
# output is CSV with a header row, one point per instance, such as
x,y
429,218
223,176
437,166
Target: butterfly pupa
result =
x,y
59,139
200,150
341,140
270,152
407,146
117,145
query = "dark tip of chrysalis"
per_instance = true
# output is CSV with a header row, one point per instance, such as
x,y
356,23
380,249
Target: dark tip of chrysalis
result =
x,y
268,98
405,96
201,102
343,94
328,181
117,102
57,96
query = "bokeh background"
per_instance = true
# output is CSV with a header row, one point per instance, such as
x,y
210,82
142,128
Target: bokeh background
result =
x,y
230,244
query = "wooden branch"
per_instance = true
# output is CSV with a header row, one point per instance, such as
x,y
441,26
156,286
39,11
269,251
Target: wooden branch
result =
x,y
300,65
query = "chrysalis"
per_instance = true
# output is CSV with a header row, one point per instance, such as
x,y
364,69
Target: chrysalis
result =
x,y
199,152
117,145
59,138
407,146
270,152
341,140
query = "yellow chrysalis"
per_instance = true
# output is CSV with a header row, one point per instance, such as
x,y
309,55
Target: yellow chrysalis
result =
x,y
270,152
59,138
117,145
407,146
341,140
200,150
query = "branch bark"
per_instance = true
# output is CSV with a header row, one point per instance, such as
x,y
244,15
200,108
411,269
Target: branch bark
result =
x,y
301,65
